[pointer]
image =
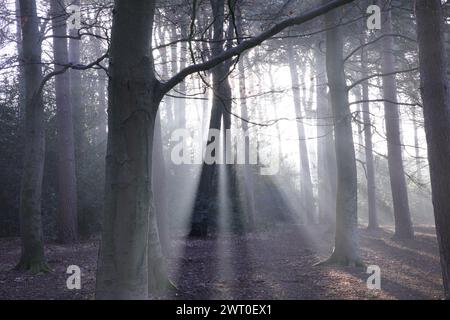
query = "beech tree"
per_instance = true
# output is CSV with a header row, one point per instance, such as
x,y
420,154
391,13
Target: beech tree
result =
x,y
78,114
130,259
402,215
368,149
67,195
326,156
221,108
306,188
32,256
436,109
247,176
346,244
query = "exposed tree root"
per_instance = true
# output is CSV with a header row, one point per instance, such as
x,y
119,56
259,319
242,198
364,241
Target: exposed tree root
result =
x,y
161,287
159,282
32,267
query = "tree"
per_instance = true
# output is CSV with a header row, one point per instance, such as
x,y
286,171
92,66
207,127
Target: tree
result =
x,y
326,157
67,185
306,188
346,245
402,215
21,68
130,259
75,102
102,92
368,149
207,189
32,256
207,193
248,181
159,188
436,108
75,80
415,113
129,237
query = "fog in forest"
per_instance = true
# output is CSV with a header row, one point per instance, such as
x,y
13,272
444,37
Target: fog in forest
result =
x,y
211,149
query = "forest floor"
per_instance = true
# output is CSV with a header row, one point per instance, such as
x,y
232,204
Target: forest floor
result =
x,y
276,264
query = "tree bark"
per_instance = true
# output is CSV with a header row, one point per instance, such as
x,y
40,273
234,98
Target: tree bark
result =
x,y
368,150
275,115
102,94
183,88
306,188
174,69
75,88
21,76
159,187
248,175
79,117
206,194
415,112
402,215
130,263
326,156
346,244
165,72
32,255
436,108
67,186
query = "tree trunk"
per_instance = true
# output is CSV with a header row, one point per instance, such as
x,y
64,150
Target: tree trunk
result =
x,y
67,187
102,92
346,244
402,216
306,189
159,187
326,157
160,172
436,108
79,117
75,89
165,71
207,190
32,256
130,259
275,115
415,111
21,76
203,210
180,171
233,209
174,69
183,60
368,148
248,176
247,173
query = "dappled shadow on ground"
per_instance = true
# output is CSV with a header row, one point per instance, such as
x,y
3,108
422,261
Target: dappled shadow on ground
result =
x,y
194,261
275,264
410,269
279,264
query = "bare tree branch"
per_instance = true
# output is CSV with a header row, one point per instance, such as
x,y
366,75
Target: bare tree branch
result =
x,y
248,44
